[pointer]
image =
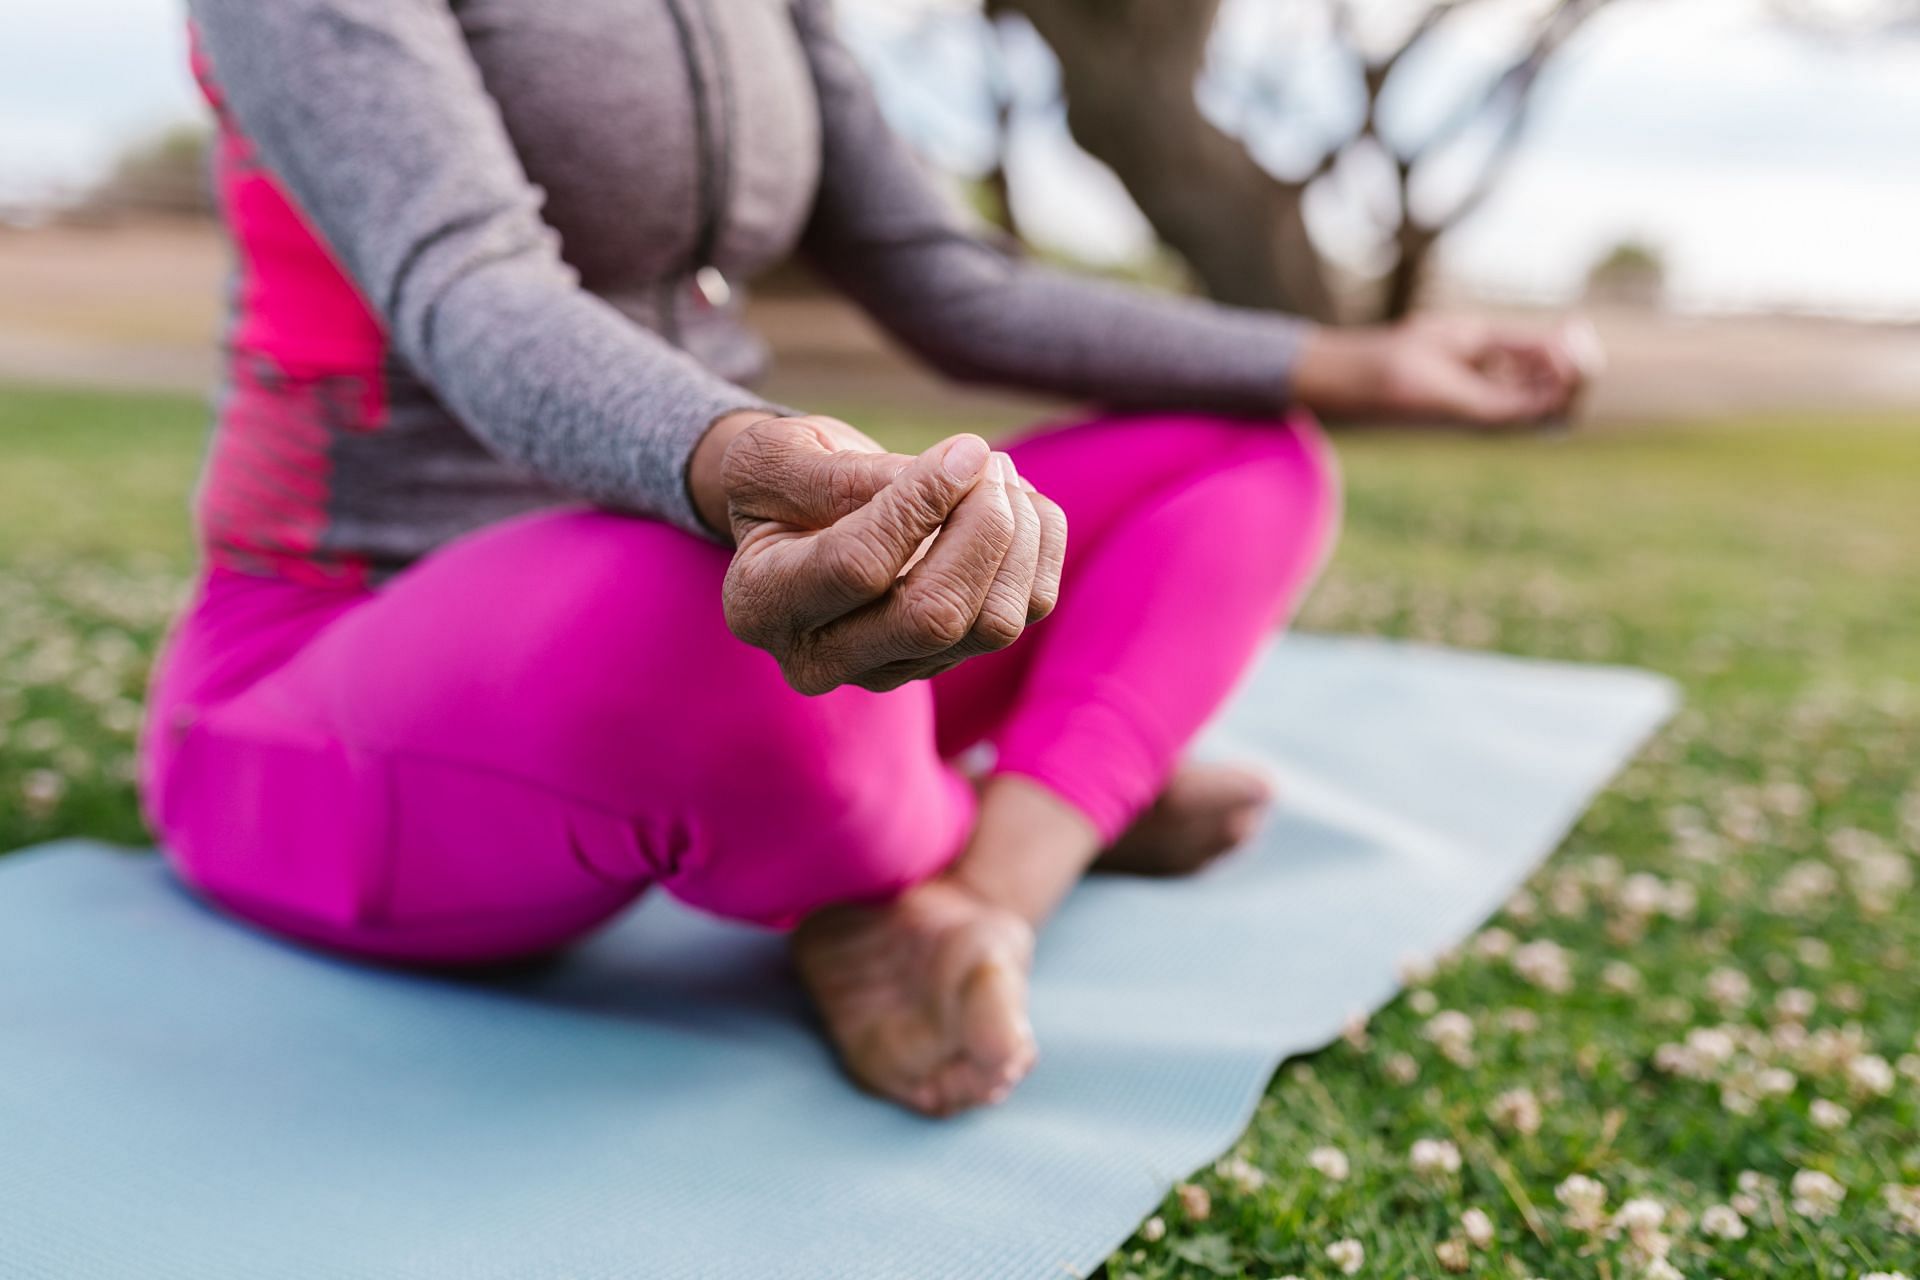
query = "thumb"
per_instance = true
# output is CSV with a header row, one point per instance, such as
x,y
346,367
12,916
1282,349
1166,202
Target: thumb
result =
x,y
888,530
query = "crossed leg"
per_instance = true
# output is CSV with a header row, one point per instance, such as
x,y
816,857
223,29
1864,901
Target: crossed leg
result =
x,y
502,748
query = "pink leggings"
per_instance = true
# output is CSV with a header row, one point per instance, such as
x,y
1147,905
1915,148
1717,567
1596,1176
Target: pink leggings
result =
x,y
504,746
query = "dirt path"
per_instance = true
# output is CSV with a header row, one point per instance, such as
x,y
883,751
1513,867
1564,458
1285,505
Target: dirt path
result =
x,y
140,307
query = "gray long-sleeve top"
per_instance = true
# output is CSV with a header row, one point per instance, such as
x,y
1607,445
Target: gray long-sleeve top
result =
x,y
516,198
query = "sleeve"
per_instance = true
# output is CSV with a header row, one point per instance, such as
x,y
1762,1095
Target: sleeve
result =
x,y
373,115
885,236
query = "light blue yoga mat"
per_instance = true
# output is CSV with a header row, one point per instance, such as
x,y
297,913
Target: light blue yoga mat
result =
x,y
183,1100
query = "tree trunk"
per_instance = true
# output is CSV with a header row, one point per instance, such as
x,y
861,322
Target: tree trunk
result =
x,y
1409,272
1128,69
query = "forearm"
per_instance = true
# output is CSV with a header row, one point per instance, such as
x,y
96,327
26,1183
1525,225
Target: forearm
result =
x,y
560,383
978,315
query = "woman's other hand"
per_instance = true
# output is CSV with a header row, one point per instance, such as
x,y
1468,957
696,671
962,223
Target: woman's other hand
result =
x,y
1451,369
857,566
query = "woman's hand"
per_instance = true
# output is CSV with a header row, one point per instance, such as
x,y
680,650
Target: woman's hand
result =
x,y
1449,369
857,566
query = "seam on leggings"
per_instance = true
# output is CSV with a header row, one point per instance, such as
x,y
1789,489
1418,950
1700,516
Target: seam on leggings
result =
x,y
350,743
267,912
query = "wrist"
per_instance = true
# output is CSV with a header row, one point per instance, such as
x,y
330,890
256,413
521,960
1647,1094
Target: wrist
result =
x,y
1344,371
706,467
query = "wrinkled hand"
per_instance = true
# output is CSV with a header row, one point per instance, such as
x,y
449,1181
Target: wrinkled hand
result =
x,y
856,566
1451,369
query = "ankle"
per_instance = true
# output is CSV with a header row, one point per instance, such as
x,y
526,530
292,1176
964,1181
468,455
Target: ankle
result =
x,y
1028,849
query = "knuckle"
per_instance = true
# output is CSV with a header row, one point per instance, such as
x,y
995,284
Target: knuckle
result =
x,y
919,505
859,565
999,527
1042,603
998,626
883,680
809,678
937,615
1051,515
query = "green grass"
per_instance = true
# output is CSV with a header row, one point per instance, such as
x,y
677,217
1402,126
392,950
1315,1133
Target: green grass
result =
x,y
1771,833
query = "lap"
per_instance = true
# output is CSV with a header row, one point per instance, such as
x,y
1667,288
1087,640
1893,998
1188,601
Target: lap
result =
x,y
549,716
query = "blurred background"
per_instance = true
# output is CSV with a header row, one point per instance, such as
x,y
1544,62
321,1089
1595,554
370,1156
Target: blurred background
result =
x,y
1730,188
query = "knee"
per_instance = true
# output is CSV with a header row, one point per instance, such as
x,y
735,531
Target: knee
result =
x,y
1292,477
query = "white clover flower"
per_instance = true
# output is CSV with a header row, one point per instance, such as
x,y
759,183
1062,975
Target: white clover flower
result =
x,y
1493,944
1883,1275
1640,1216
1815,1194
1523,907
1416,970
1703,1055
1829,1050
1585,1200
1642,894
1815,953
1521,1022
1908,1065
1330,1163
1870,1075
1154,1229
1661,1269
1241,1174
1434,1157
1423,1002
1452,1256
1729,988
1723,1222
1795,1004
1545,964
1776,1082
1828,1115
1452,1033
1903,1202
41,791
1567,897
1401,1069
1805,886
1620,978
1880,880
1516,1110
1347,1255
1195,1202
1478,1228
1787,798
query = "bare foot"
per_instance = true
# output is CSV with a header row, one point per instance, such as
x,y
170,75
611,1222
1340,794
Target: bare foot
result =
x,y
1205,810
925,998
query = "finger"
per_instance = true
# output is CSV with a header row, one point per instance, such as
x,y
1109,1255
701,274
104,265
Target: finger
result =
x,y
1053,554
859,557
1544,364
1003,613
895,674
795,472
936,606
1466,393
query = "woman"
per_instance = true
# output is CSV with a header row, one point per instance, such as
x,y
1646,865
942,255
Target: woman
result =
x,y
517,603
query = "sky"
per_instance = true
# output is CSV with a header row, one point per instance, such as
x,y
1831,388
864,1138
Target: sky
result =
x,y
1769,168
